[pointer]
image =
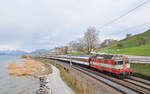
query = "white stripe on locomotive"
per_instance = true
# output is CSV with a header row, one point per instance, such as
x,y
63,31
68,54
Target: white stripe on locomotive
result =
x,y
111,66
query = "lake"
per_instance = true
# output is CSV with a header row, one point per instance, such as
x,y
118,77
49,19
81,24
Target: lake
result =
x,y
15,84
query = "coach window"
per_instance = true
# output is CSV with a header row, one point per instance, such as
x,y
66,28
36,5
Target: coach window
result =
x,y
120,62
99,60
126,61
106,61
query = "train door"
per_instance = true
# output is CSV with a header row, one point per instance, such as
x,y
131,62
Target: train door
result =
x,y
91,61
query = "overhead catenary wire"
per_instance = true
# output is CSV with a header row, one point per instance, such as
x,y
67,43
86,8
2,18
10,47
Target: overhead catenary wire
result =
x,y
136,26
129,28
116,19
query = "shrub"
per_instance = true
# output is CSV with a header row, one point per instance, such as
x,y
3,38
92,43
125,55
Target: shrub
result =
x,y
24,56
142,41
30,56
120,45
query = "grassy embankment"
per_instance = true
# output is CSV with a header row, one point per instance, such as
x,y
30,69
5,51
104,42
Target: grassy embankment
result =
x,y
141,68
78,52
136,45
77,86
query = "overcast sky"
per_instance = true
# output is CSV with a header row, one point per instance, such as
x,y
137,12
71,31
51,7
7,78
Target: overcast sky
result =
x,y
45,24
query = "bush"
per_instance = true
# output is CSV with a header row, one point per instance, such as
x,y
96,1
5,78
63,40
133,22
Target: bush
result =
x,y
120,45
24,56
142,41
30,56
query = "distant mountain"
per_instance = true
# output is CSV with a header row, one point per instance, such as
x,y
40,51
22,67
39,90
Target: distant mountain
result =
x,y
20,52
38,50
12,52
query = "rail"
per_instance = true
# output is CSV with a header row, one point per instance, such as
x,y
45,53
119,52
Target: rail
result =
x,y
118,84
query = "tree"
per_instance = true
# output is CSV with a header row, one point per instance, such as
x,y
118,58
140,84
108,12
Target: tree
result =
x,y
91,39
108,42
24,56
78,45
120,45
128,36
142,41
72,46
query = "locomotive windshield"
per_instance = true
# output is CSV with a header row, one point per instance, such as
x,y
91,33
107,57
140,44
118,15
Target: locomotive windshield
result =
x,y
127,61
119,62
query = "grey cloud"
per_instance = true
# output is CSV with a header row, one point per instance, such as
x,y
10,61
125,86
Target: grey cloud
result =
x,y
34,24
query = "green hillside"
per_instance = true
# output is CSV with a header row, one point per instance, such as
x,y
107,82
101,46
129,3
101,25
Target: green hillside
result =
x,y
136,45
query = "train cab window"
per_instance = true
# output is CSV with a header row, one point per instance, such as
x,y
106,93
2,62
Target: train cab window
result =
x,y
119,62
126,61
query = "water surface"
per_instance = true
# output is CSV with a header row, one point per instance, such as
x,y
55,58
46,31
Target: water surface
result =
x,y
15,84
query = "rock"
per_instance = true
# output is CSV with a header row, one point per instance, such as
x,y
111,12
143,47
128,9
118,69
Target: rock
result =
x,y
43,86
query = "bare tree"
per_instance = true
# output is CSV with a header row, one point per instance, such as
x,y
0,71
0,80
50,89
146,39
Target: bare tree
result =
x,y
91,39
81,44
78,45
72,46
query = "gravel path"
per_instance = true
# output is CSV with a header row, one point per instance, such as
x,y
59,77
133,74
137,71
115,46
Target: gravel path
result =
x,y
56,83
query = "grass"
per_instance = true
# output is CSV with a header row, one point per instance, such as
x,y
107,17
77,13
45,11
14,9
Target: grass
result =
x,y
143,50
77,86
141,68
136,45
78,52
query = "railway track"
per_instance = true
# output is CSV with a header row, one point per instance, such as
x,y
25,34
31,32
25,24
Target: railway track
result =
x,y
126,86
140,80
118,87
140,84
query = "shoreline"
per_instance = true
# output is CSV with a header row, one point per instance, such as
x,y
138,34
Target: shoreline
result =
x,y
43,76
38,70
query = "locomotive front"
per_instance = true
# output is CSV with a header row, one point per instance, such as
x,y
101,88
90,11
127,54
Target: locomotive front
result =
x,y
122,65
114,64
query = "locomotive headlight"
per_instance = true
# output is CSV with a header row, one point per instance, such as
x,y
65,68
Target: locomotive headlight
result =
x,y
120,70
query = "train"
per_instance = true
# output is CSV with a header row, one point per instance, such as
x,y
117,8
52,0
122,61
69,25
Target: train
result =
x,y
114,65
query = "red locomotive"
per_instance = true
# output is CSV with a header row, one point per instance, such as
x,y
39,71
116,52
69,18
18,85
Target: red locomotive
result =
x,y
118,65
